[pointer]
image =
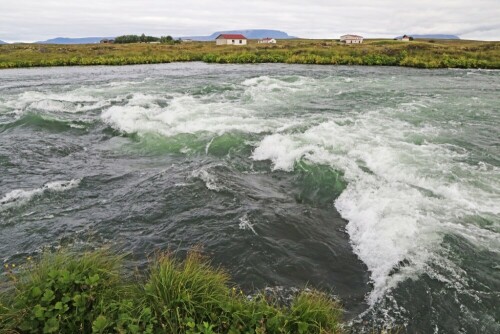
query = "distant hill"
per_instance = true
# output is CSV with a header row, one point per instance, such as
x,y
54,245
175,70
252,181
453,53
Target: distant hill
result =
x,y
2,42
65,40
251,34
433,36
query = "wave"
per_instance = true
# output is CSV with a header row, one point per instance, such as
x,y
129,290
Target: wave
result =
x,y
71,102
185,114
398,205
211,181
397,178
19,197
402,187
48,122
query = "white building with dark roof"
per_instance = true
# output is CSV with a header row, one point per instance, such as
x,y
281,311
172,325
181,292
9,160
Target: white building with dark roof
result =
x,y
351,39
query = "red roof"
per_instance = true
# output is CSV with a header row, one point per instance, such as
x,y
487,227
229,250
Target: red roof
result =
x,y
231,36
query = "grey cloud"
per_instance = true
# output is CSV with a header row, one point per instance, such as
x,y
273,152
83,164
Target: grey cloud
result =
x,y
29,20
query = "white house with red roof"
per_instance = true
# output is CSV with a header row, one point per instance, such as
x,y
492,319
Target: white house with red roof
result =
x,y
231,39
351,39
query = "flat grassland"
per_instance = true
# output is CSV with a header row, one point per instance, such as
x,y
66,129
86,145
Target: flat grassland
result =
x,y
418,53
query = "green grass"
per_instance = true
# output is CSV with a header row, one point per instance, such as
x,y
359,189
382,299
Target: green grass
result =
x,y
91,293
419,53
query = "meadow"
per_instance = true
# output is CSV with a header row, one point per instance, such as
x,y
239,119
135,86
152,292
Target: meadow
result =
x,y
418,53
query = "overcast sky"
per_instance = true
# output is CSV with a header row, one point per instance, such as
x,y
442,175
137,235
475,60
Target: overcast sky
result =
x,y
32,20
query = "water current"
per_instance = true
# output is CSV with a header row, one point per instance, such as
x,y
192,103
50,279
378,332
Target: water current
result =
x,y
380,185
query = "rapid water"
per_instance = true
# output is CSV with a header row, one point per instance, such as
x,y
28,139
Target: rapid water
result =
x,y
380,185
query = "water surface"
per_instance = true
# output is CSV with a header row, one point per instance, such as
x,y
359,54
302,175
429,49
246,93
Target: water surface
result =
x,y
378,184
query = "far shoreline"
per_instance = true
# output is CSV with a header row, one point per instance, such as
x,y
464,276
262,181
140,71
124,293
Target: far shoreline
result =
x,y
256,64
430,54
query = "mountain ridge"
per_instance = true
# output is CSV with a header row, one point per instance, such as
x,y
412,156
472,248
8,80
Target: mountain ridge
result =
x,y
433,36
248,33
68,40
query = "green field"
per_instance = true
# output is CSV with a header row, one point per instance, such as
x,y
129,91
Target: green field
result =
x,y
419,53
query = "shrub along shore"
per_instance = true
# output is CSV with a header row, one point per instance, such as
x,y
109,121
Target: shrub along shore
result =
x,y
418,53
91,293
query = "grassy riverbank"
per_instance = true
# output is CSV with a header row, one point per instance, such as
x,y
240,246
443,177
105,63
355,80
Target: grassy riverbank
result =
x,y
420,53
92,293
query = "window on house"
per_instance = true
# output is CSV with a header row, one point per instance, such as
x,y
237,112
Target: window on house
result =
x,y
241,41
233,41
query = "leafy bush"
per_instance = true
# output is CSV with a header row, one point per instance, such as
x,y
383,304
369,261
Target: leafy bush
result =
x,y
135,39
64,293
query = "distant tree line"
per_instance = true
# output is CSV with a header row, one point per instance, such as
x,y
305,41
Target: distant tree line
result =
x,y
169,40
125,39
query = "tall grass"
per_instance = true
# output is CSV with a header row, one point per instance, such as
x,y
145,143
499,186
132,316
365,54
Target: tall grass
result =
x,y
184,292
90,293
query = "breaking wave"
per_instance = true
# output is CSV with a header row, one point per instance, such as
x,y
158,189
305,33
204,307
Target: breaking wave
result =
x,y
20,197
407,163
397,203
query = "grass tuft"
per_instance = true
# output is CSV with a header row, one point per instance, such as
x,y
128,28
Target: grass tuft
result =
x,y
189,291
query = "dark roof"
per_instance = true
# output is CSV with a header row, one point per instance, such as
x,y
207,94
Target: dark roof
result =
x,y
351,35
231,36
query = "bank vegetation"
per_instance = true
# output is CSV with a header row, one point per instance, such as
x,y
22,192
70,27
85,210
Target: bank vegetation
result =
x,y
93,292
418,53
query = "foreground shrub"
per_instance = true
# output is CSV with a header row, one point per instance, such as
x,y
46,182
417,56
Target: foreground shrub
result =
x,y
184,292
73,293
65,293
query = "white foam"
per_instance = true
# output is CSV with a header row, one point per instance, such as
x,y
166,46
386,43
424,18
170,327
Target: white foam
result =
x,y
265,90
19,197
186,114
400,199
75,101
210,180
246,225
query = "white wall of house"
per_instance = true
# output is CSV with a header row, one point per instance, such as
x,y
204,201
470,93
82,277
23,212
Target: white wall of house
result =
x,y
223,41
268,41
351,39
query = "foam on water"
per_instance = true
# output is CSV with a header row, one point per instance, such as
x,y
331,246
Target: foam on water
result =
x,y
412,179
402,197
70,102
400,200
245,224
184,114
210,180
20,197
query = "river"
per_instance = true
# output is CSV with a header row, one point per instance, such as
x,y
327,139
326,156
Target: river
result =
x,y
380,185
